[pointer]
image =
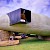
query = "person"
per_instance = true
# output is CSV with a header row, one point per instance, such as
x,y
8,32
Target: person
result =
x,y
23,18
11,37
23,36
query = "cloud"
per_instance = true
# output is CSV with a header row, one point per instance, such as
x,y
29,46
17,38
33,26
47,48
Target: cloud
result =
x,y
36,6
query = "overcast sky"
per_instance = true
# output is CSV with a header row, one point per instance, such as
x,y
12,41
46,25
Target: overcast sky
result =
x,y
36,6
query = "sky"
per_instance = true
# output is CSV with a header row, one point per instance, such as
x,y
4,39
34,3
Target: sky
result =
x,y
36,6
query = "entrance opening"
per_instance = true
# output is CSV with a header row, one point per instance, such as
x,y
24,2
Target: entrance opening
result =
x,y
25,16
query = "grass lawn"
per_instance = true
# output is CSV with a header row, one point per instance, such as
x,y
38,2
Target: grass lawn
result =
x,y
29,44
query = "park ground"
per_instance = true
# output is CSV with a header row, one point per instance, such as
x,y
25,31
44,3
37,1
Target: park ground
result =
x,y
29,44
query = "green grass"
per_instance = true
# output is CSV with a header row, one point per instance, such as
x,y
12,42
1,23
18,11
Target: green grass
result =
x,y
29,44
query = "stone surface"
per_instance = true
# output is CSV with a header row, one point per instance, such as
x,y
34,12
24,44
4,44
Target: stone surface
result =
x,y
9,42
4,35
